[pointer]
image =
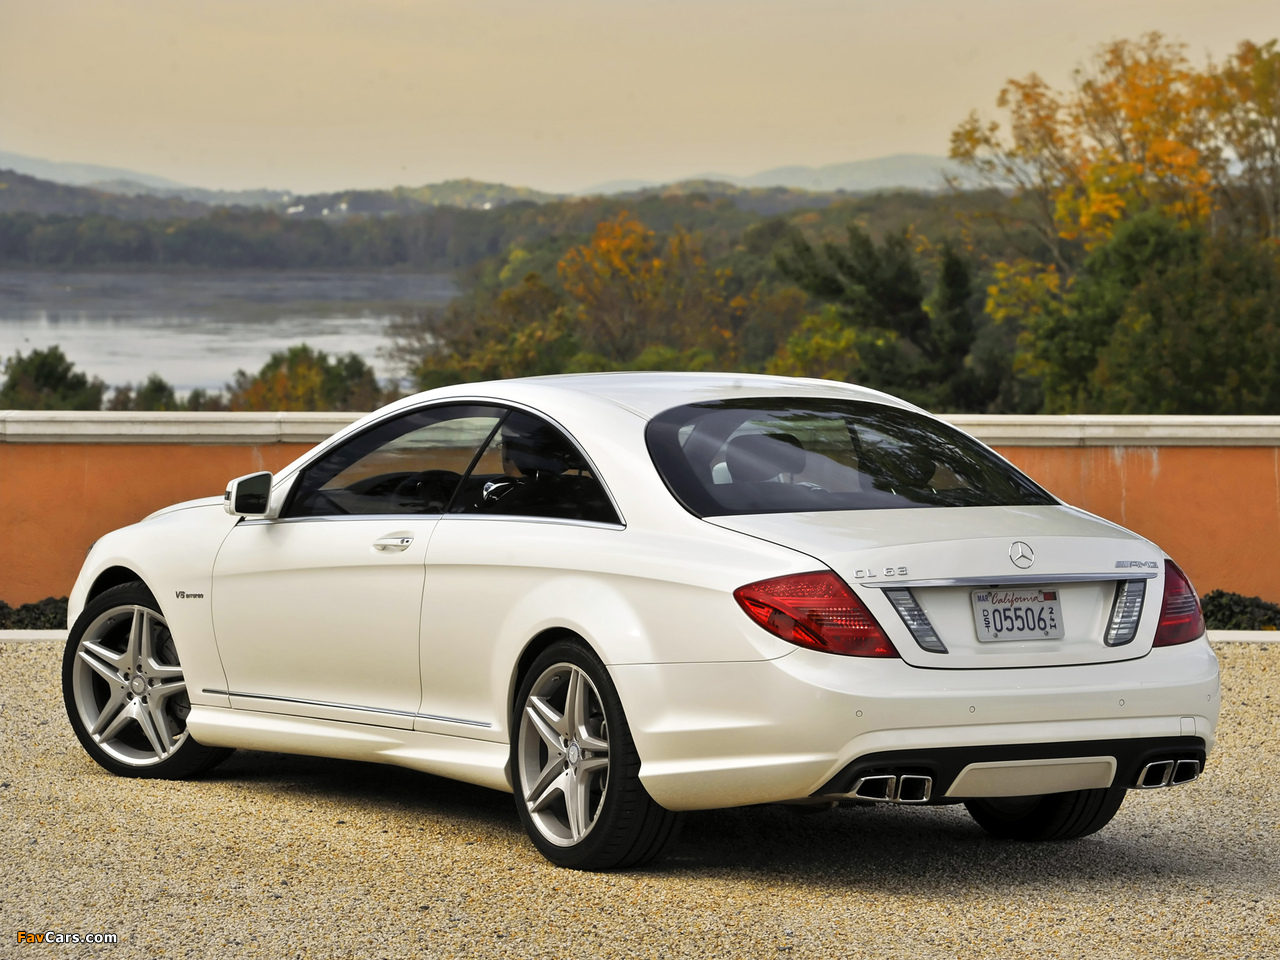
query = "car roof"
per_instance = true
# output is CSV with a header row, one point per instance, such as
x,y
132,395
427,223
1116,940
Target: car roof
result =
x,y
649,393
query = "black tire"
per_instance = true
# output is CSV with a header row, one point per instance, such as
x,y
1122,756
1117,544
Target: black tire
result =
x,y
1053,816
625,827
124,692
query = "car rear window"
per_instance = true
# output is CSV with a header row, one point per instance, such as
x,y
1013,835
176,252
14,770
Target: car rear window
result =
x,y
773,455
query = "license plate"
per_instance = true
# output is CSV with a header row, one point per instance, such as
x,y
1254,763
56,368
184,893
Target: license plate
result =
x,y
1017,614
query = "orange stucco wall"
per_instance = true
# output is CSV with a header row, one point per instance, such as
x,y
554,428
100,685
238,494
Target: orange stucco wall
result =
x,y
57,499
1216,510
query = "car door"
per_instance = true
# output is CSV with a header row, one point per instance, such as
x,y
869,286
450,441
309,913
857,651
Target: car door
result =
x,y
317,613
530,517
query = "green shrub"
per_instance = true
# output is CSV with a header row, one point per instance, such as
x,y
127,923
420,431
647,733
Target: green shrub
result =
x,y
1231,611
47,614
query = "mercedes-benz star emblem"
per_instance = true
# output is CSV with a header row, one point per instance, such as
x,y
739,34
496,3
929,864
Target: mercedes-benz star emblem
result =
x,y
1021,554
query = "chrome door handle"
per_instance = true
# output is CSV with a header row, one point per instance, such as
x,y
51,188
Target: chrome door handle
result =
x,y
393,544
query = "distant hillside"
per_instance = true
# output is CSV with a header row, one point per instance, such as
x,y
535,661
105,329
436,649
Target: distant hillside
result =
x,y
910,171
23,194
466,194
471,194
213,198
79,174
767,201
903,171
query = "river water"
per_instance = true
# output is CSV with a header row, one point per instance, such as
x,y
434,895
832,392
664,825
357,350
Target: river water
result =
x,y
197,329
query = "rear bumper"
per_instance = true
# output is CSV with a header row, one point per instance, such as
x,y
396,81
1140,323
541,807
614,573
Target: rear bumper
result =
x,y
1056,766
729,734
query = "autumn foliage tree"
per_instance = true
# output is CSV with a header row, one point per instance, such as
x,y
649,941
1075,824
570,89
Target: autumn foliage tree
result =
x,y
625,299
1150,162
302,378
633,297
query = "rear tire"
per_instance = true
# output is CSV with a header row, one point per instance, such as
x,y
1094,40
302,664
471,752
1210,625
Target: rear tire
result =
x,y
124,689
1053,816
575,769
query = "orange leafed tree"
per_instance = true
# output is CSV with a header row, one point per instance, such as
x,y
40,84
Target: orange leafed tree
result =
x,y
631,293
1135,133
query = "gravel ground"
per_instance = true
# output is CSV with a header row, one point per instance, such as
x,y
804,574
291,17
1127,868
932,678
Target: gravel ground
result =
x,y
288,857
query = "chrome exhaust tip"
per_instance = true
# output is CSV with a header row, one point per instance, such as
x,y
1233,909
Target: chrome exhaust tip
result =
x,y
891,788
1156,774
1185,771
881,787
914,788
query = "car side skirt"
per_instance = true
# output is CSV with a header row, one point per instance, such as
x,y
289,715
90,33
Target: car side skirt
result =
x,y
482,762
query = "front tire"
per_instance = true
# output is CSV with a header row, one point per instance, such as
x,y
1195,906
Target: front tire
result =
x,y
124,690
1053,816
575,768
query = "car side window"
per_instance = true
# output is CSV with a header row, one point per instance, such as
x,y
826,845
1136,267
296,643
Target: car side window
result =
x,y
411,464
531,469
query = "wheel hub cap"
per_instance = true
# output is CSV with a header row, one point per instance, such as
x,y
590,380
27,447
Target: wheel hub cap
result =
x,y
575,753
138,685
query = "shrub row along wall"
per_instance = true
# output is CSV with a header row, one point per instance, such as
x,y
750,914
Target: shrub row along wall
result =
x,y
1207,489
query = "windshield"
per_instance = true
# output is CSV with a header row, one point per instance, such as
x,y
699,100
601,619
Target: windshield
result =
x,y
787,455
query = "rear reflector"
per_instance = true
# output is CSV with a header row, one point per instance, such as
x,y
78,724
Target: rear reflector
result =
x,y
1181,619
815,610
1126,612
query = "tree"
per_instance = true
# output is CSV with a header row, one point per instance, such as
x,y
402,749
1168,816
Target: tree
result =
x,y
623,299
521,332
1134,134
1245,100
301,378
630,294
882,327
1155,187
155,394
1162,319
47,380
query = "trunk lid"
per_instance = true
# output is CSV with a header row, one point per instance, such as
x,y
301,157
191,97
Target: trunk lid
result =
x,y
944,556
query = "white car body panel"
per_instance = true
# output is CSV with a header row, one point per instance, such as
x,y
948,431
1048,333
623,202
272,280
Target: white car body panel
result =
x,y
417,665
172,552
493,584
313,619
727,734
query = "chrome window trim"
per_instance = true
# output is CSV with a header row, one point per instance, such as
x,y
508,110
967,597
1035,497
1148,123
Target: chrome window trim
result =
x,y
1048,579
564,521
412,517
349,706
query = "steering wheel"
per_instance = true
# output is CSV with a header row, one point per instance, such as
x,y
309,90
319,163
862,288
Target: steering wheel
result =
x,y
433,488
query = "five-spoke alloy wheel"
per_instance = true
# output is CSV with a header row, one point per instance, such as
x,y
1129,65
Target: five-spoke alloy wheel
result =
x,y
564,754
575,769
124,690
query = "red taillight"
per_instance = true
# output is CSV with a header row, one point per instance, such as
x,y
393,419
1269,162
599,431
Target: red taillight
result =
x,y
815,610
1181,619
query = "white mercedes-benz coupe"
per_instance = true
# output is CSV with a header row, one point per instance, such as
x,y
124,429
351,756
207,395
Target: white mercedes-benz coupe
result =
x,y
622,596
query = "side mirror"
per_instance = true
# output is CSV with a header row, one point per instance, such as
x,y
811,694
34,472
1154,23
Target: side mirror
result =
x,y
248,496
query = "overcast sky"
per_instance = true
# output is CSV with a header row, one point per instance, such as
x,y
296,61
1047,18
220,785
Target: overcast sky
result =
x,y
556,94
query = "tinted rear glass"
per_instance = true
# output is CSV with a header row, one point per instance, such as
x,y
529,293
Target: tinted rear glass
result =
x,y
799,455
